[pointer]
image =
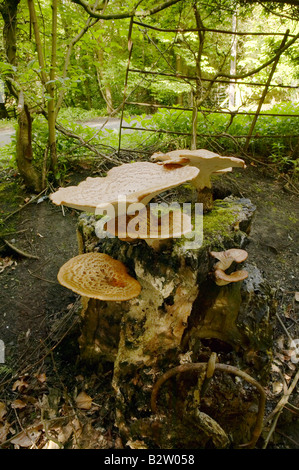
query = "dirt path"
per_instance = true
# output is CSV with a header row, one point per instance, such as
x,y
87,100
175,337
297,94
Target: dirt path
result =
x,y
30,296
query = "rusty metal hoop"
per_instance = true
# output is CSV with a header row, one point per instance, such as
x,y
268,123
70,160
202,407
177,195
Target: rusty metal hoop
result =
x,y
197,366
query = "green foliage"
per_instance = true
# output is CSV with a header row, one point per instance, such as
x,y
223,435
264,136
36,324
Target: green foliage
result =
x,y
7,156
97,70
80,114
214,124
280,156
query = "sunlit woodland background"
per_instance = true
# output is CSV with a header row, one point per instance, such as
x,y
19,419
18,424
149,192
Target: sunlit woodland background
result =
x,y
88,86
177,70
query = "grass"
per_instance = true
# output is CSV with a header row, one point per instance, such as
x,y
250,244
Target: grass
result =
x,y
7,123
276,151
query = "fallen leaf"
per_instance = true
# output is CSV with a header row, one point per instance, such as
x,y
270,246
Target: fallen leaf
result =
x,y
18,404
5,263
51,445
2,409
27,437
4,430
83,401
274,368
277,387
20,385
41,377
137,445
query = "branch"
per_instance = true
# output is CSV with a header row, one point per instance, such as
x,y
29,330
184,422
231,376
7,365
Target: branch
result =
x,y
127,14
288,2
72,135
38,43
68,57
19,251
280,51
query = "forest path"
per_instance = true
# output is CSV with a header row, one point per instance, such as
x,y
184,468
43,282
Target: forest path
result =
x,y
6,133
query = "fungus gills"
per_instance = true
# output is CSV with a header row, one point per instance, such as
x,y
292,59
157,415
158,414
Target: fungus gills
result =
x,y
155,230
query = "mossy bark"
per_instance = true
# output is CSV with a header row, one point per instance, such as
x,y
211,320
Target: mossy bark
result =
x,y
24,153
181,316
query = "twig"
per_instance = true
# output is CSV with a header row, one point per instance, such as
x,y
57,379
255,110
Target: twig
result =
x,y
278,409
22,207
283,401
288,437
283,326
13,232
19,251
42,278
24,430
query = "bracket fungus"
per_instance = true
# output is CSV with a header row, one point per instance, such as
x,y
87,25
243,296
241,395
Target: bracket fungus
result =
x,y
221,278
225,260
155,230
206,161
98,276
227,257
138,182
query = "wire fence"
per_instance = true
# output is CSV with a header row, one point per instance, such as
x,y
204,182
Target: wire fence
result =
x,y
207,87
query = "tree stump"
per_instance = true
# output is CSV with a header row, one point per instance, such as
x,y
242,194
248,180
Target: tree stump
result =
x,y
182,317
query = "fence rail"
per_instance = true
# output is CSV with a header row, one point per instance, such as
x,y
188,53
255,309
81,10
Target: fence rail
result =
x,y
226,80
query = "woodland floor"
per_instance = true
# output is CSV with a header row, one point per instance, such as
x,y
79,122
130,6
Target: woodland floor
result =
x,y
47,400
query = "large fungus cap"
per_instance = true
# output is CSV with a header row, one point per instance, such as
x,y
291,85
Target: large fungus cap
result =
x,y
138,182
98,276
208,162
227,257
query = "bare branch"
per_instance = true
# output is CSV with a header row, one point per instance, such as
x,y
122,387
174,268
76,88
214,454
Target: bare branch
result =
x,y
127,14
261,67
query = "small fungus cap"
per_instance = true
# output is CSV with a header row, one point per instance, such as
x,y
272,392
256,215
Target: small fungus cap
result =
x,y
138,182
221,278
98,276
226,258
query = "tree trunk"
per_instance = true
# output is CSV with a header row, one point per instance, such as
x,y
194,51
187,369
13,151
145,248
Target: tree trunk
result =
x,y
233,63
104,87
179,69
51,89
24,154
181,318
9,10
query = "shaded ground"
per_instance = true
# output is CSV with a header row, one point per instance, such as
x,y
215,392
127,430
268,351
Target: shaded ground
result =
x,y
36,313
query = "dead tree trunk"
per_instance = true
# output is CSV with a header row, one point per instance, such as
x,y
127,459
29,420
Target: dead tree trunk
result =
x,y
182,317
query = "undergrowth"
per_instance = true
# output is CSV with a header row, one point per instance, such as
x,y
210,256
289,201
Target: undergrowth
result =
x,y
274,140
